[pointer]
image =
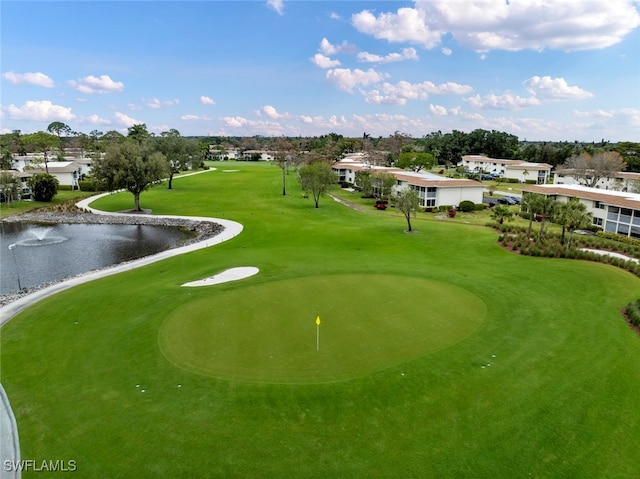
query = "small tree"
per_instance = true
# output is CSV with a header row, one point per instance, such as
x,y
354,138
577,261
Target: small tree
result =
x,y
316,178
576,217
501,213
130,166
178,151
44,186
416,161
382,183
363,181
589,169
407,201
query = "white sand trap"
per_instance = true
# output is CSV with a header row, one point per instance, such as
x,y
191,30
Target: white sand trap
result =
x,y
229,171
233,274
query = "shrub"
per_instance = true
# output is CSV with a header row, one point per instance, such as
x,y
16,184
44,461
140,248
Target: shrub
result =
x,y
467,206
633,312
87,185
44,186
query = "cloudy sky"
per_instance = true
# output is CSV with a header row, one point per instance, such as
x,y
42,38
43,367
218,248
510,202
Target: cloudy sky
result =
x,y
539,69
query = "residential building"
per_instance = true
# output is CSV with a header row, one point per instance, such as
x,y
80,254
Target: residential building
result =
x,y
68,173
260,155
433,190
613,211
619,181
522,171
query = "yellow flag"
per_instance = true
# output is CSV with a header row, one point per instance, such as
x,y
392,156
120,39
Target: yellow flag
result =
x,y
318,320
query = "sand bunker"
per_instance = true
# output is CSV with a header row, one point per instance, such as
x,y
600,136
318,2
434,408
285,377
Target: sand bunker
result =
x,y
232,274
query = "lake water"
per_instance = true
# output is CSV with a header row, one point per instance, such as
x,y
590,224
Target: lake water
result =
x,y
33,255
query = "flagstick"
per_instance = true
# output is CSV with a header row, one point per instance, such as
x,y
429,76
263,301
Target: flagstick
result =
x,y
317,337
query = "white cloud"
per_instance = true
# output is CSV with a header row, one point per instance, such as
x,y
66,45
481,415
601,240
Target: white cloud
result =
x,y
156,104
506,101
328,48
591,114
36,78
554,89
334,16
39,111
126,120
437,110
406,25
235,121
272,113
96,120
102,84
406,54
205,100
484,25
277,5
347,79
402,91
324,62
447,51
194,117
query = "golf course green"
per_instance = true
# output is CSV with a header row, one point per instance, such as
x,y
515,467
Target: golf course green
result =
x,y
438,353
226,336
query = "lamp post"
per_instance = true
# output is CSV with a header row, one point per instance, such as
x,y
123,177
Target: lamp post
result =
x,y
12,247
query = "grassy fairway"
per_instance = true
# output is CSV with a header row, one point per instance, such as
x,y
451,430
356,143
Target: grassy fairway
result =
x,y
532,373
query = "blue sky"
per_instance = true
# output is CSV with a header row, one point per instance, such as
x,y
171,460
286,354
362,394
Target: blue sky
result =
x,y
539,69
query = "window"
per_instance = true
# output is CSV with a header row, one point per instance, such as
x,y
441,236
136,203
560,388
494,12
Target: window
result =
x,y
613,213
597,222
625,215
598,204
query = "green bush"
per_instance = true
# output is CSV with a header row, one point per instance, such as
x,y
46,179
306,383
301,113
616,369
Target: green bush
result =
x,y
467,206
531,182
86,185
65,188
633,312
44,186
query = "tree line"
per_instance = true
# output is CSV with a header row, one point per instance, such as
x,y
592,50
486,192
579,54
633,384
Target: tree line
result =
x,y
433,148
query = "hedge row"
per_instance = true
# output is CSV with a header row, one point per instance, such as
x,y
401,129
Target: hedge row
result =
x,y
633,312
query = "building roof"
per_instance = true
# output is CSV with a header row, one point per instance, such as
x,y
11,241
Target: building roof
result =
x,y
423,178
58,167
610,197
626,175
517,164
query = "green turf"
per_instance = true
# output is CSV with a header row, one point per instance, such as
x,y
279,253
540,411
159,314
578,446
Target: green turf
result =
x,y
557,396
365,327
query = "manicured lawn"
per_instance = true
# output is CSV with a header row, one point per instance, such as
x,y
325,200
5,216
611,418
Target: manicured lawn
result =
x,y
22,206
441,355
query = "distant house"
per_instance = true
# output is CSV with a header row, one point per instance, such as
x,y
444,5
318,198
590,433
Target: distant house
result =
x,y
223,153
258,155
20,181
619,181
522,171
68,173
433,190
613,211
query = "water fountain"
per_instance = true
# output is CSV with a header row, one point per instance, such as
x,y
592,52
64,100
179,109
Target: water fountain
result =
x,y
40,238
45,254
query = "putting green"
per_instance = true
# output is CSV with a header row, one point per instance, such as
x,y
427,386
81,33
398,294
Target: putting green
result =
x,y
268,332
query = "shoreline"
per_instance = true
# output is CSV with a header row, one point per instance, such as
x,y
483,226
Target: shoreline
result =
x,y
202,230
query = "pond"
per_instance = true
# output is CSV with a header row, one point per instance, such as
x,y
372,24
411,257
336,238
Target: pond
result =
x,y
33,255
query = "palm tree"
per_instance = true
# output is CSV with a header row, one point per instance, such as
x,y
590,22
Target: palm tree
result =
x,y
577,217
546,208
531,204
501,213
